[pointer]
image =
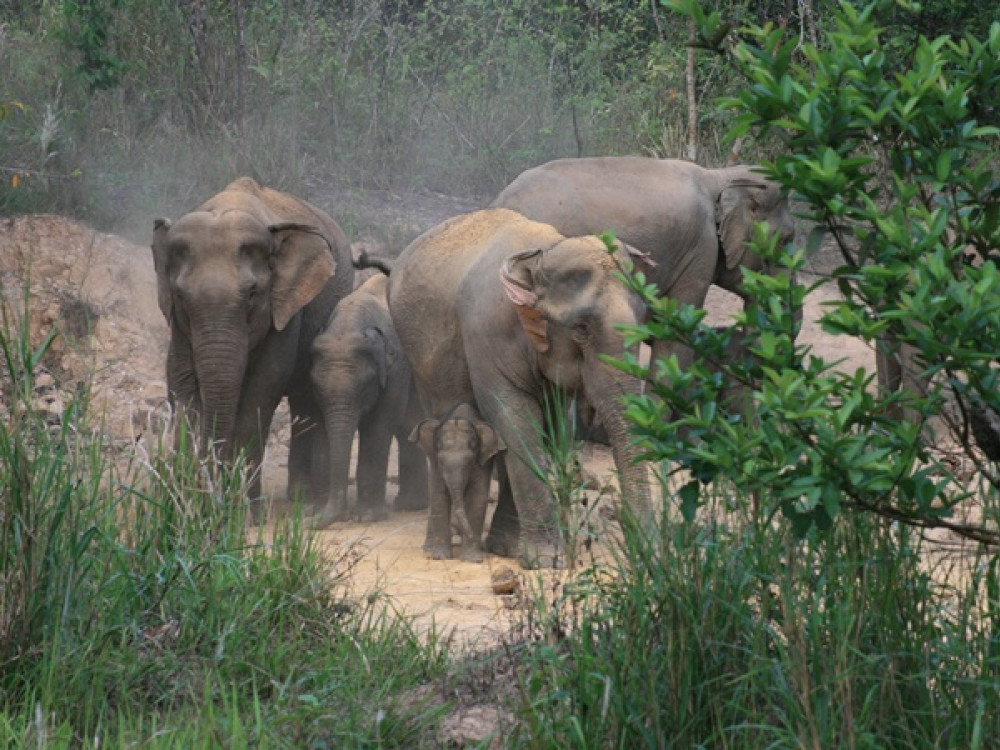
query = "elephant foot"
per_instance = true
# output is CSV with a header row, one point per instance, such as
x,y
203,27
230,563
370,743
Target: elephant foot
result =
x,y
410,501
502,539
533,554
438,550
501,545
371,513
257,511
472,553
324,518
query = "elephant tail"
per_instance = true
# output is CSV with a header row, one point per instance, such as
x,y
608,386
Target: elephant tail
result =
x,y
364,260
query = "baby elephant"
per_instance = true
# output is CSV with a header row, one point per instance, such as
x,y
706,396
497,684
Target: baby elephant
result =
x,y
461,447
363,384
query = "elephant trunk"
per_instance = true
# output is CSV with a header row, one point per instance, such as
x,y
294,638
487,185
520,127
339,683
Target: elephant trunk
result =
x,y
220,361
341,424
456,475
606,393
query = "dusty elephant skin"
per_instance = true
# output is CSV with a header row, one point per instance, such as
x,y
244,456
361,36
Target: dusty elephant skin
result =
x,y
693,222
364,385
497,310
460,447
246,281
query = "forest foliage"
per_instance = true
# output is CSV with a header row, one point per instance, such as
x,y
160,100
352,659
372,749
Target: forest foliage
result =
x,y
120,109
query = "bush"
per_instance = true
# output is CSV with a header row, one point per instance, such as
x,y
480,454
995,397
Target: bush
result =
x,y
136,604
799,603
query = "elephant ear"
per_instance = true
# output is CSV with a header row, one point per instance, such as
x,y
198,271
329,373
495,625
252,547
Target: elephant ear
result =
x,y
160,258
490,444
423,435
380,348
303,263
639,260
518,277
735,214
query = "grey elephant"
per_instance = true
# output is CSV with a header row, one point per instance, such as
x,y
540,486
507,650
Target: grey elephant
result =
x,y
496,309
461,447
246,281
364,386
693,222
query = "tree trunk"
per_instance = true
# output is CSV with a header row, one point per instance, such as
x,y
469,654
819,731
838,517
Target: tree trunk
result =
x,y
241,61
692,146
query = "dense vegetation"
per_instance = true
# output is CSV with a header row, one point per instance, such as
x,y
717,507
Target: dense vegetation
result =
x,y
797,605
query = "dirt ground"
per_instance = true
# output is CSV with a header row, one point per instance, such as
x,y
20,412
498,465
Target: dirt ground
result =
x,y
100,290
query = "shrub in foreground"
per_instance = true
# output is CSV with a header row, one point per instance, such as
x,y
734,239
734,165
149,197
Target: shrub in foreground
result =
x,y
136,606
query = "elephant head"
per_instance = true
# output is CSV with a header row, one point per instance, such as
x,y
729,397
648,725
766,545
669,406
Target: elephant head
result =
x,y
745,198
229,274
571,306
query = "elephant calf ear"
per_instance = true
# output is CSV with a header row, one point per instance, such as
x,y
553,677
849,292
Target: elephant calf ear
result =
x,y
517,282
423,435
303,263
490,444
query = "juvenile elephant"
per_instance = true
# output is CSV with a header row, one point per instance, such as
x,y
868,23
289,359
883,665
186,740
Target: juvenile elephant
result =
x,y
693,222
364,385
246,281
496,309
461,447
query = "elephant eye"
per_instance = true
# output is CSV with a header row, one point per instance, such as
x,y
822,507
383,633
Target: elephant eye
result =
x,y
580,331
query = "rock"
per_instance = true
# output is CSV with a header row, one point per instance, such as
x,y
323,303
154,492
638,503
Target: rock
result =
x,y
505,581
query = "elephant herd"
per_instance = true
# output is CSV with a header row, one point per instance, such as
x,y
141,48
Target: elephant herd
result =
x,y
456,352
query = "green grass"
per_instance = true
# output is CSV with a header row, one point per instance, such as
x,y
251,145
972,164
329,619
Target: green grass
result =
x,y
137,609
732,633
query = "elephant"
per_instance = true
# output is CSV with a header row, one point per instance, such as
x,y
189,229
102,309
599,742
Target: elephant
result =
x,y
246,282
498,310
363,384
693,222
461,447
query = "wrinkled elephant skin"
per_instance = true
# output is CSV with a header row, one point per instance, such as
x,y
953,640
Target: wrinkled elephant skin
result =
x,y
693,222
364,386
497,310
246,281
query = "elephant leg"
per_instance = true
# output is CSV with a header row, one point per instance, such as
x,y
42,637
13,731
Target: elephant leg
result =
x,y
518,418
888,366
374,441
540,543
412,475
504,528
252,429
438,542
308,450
476,500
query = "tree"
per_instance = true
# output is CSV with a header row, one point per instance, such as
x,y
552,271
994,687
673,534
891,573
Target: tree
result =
x,y
881,142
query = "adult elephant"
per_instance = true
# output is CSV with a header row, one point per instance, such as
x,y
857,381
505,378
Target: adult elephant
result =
x,y
246,281
363,383
693,222
494,309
